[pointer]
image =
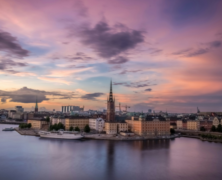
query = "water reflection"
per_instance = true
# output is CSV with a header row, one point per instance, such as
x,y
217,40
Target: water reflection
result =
x,y
27,157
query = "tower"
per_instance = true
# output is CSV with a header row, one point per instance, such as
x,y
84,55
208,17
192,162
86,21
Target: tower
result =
x,y
36,105
110,116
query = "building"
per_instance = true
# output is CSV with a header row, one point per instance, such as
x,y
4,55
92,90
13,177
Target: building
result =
x,y
216,121
149,125
57,119
37,123
97,124
19,109
68,109
36,106
115,127
76,121
206,124
110,117
193,125
179,124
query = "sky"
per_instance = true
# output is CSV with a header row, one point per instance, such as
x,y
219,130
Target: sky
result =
x,y
160,54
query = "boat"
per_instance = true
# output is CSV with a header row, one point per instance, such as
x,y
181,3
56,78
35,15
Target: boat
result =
x,y
8,129
59,135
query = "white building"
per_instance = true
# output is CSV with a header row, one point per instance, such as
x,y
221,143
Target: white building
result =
x,y
57,119
97,124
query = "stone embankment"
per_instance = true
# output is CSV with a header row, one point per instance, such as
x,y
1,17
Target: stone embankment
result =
x,y
29,132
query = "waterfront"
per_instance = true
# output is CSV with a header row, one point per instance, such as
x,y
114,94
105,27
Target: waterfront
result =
x,y
29,157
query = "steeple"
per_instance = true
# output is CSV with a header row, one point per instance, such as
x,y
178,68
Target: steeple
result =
x,y
36,105
111,92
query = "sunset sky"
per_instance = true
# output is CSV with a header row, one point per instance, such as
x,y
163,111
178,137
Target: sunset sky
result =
x,y
160,54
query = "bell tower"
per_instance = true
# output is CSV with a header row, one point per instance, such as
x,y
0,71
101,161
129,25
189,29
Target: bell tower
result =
x,y
110,116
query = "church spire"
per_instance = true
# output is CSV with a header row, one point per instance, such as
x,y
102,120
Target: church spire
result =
x,y
36,105
111,92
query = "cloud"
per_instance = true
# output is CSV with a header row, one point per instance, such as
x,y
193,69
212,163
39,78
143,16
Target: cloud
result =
x,y
137,84
109,42
191,52
11,46
92,96
129,71
149,89
27,95
8,63
79,56
57,80
118,60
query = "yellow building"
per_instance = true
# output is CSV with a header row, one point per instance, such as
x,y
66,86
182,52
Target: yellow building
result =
x,y
115,127
179,124
149,126
193,125
76,121
37,123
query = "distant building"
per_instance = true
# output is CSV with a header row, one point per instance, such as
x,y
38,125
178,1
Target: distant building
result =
x,y
216,121
193,125
76,121
97,124
37,123
57,119
68,109
149,125
115,127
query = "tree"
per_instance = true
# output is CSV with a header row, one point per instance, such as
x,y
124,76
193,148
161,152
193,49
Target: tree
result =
x,y
87,128
71,128
29,125
213,128
172,131
48,119
77,129
202,128
219,128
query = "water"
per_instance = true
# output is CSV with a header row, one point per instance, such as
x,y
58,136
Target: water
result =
x,y
33,158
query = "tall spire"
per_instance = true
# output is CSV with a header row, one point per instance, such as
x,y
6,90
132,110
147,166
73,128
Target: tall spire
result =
x,y
111,92
36,105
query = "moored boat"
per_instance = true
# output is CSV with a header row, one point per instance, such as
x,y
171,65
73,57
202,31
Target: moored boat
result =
x,y
59,135
8,129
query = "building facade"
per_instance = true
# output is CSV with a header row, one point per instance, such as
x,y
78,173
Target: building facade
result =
x,y
216,121
37,123
115,127
57,119
149,126
97,124
193,125
76,121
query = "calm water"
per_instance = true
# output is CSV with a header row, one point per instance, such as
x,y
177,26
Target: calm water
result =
x,y
27,158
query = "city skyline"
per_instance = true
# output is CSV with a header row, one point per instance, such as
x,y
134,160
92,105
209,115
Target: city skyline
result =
x,y
160,56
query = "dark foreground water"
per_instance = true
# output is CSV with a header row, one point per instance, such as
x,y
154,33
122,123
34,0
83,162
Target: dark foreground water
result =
x,y
33,158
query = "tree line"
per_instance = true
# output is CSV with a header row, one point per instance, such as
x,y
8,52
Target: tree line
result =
x,y
23,125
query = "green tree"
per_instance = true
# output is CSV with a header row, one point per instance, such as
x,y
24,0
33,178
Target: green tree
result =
x,y
172,131
219,128
87,128
29,125
202,128
71,128
48,119
77,129
213,128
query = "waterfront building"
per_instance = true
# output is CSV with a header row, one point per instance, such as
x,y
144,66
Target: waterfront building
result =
x,y
184,124
216,121
193,125
57,119
97,124
76,121
37,123
115,127
206,124
179,124
149,125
